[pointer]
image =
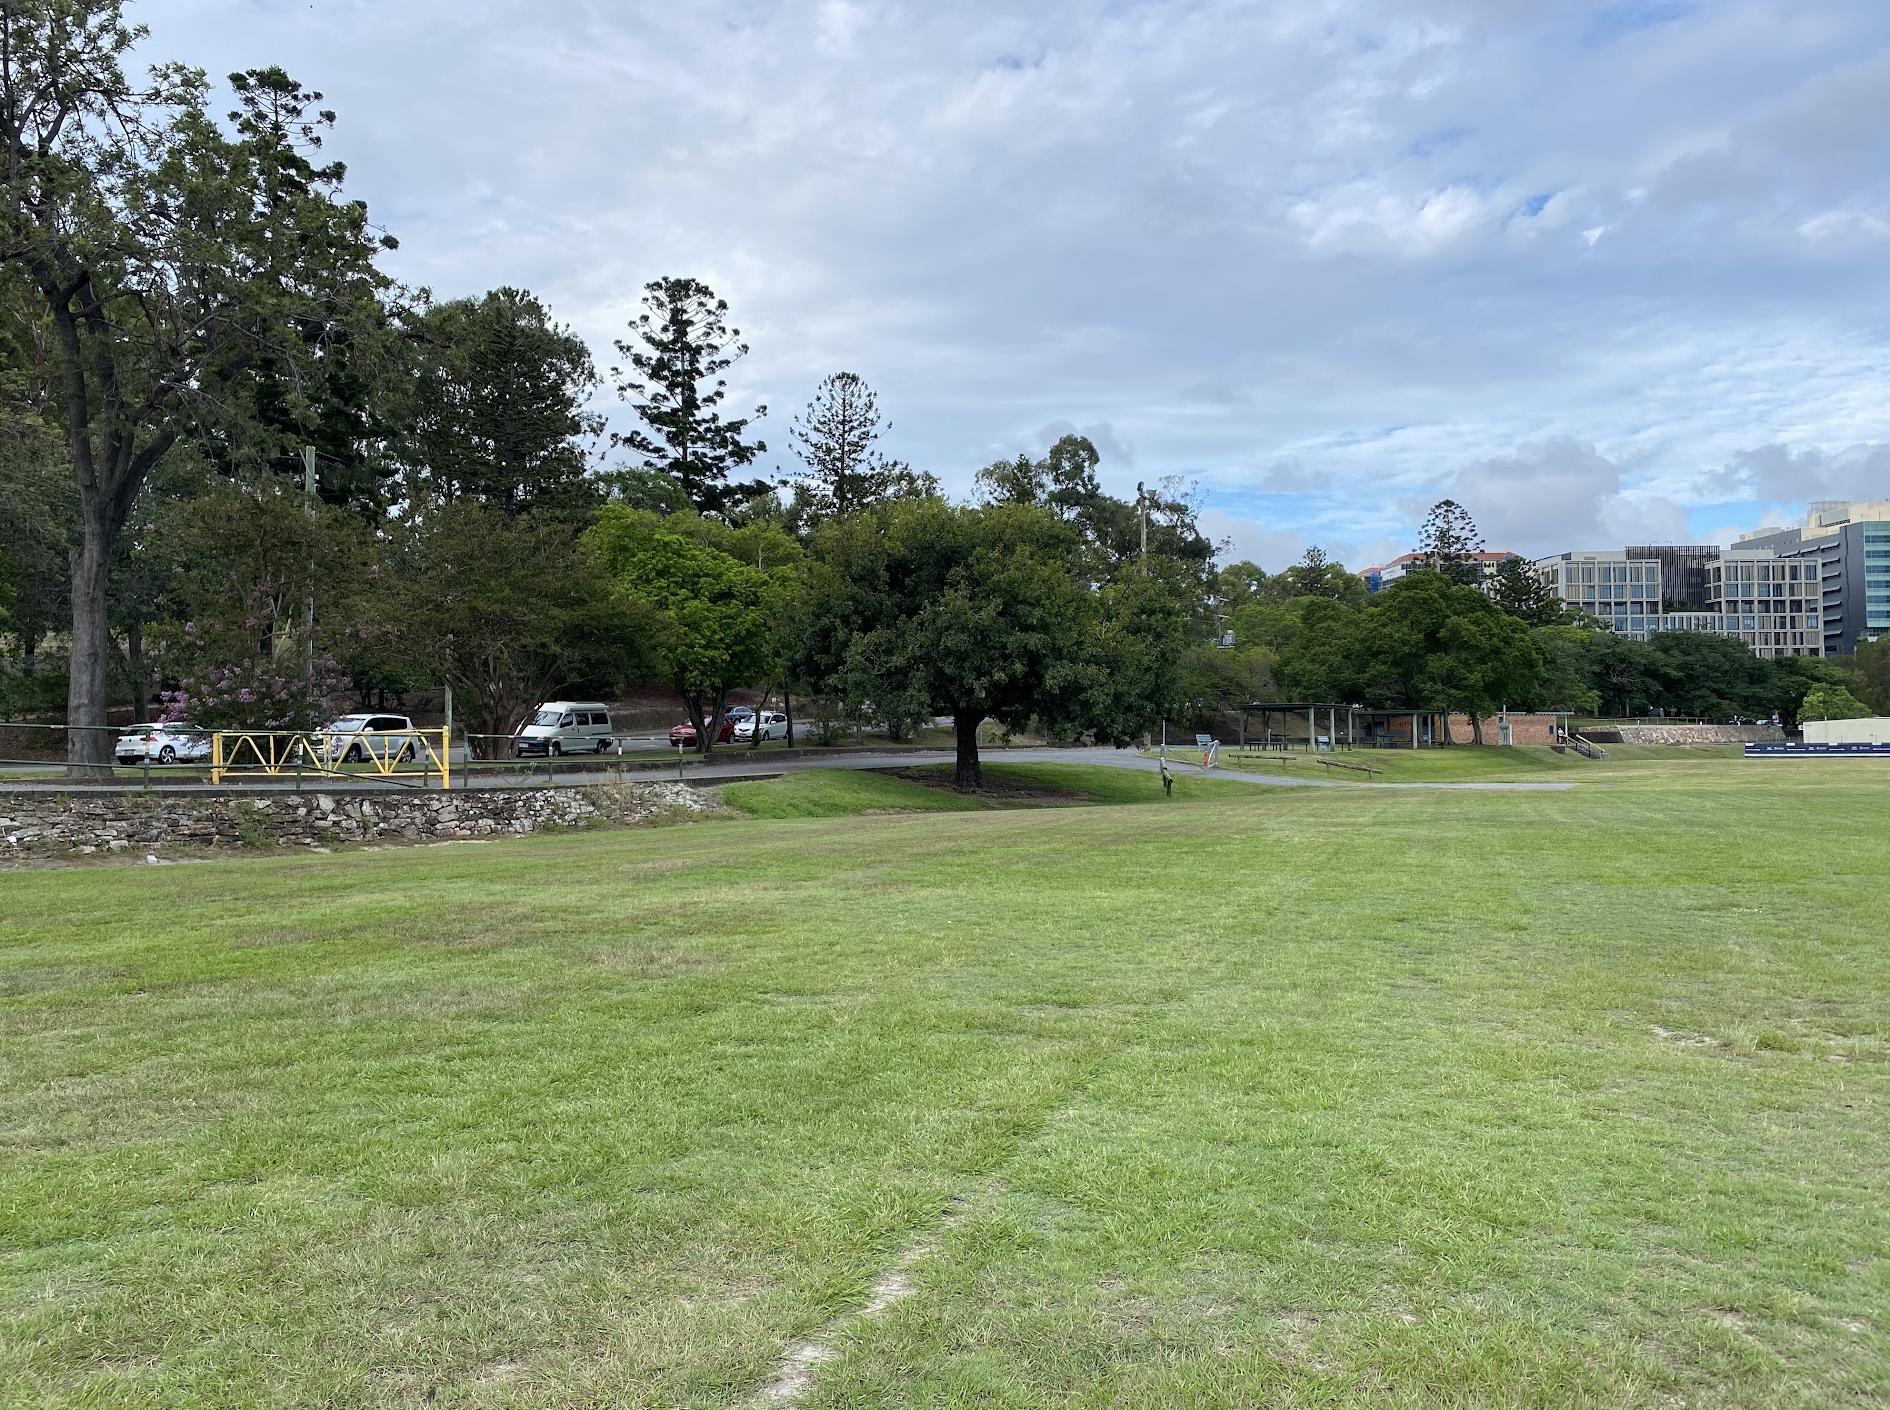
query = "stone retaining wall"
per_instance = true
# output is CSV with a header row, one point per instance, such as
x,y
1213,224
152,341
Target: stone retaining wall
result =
x,y
80,823
1685,734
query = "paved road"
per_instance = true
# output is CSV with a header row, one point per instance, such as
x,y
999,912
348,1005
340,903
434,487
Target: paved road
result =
x,y
727,768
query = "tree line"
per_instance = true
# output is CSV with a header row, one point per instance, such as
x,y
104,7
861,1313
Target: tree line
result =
x,y
1456,636
244,474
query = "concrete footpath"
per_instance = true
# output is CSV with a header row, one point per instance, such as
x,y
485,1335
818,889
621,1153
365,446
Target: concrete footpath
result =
x,y
722,768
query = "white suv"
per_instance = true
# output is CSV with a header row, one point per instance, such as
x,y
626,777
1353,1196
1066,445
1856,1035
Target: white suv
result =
x,y
352,738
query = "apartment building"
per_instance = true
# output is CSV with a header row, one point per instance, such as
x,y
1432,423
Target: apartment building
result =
x,y
1682,572
1609,585
1772,604
1769,603
1382,575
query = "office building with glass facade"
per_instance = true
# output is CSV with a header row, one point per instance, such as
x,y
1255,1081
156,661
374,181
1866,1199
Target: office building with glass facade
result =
x,y
1768,603
1850,544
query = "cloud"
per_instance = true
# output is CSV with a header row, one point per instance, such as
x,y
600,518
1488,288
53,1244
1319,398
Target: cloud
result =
x,y
1558,495
1780,475
1340,250
1115,452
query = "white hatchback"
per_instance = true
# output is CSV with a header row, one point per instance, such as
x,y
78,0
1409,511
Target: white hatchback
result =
x,y
774,725
163,744
353,738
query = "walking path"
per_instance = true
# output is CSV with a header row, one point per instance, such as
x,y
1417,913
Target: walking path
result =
x,y
722,768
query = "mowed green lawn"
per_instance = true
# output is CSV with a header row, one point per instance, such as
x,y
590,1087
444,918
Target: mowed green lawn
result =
x,y
1266,1097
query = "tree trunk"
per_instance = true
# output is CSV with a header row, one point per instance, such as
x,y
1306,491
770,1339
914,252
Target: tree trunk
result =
x,y
967,773
1476,727
716,716
755,739
88,743
1444,715
787,708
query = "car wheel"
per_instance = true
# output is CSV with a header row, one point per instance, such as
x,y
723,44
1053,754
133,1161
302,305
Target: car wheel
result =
x,y
354,755
406,755
603,746
555,750
167,755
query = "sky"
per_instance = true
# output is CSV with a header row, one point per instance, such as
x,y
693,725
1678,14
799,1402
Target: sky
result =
x,y
1602,272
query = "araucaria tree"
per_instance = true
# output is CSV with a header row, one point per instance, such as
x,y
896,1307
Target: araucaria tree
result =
x,y
837,438
1450,543
678,350
1526,597
168,259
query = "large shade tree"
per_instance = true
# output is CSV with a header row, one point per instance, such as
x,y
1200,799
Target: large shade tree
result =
x,y
495,407
168,259
990,612
711,615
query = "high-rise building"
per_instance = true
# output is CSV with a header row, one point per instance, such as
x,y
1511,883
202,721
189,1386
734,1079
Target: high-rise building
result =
x,y
1850,544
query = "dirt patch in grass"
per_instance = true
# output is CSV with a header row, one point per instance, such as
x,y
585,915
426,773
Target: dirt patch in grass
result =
x,y
665,962
997,790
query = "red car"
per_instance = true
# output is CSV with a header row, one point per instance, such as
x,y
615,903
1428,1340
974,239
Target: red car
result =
x,y
685,733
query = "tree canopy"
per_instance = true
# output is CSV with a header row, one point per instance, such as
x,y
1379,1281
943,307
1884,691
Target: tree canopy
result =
x,y
1449,543
175,266
494,408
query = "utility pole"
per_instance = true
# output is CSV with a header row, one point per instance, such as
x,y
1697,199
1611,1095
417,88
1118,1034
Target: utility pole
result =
x,y
1141,504
308,607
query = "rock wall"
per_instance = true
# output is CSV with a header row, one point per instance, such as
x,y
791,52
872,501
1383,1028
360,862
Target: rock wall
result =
x,y
82,823
1684,734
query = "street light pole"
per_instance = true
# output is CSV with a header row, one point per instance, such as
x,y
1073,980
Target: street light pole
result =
x,y
308,608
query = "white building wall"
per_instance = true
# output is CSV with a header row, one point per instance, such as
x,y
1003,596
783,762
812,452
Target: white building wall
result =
x,y
1869,731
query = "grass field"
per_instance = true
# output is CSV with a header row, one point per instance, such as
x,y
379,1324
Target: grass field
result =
x,y
834,793
1639,763
1311,1097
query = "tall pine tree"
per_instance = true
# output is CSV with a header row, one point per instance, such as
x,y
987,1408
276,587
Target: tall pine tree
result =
x,y
835,437
678,350
1450,543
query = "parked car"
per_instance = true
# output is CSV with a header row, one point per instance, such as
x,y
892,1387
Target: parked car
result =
x,y
685,733
352,738
566,727
774,725
163,744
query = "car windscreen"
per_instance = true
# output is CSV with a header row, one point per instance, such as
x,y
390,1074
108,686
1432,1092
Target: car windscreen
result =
x,y
547,717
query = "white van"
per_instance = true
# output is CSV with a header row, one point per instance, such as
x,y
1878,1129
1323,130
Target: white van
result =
x,y
566,727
